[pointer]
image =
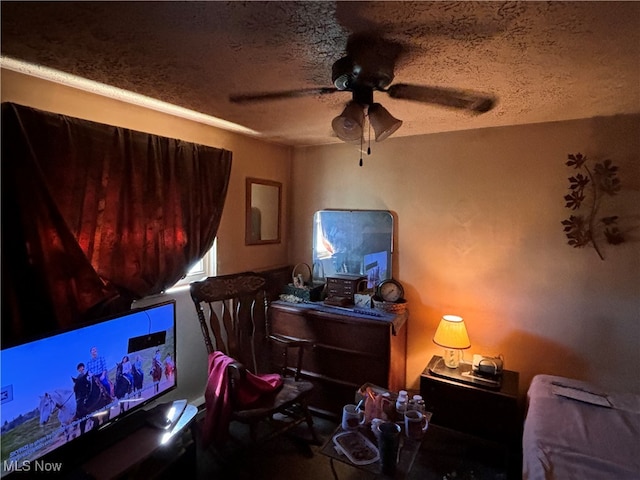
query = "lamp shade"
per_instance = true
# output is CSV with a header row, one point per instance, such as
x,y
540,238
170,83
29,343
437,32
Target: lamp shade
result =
x,y
348,125
452,333
382,122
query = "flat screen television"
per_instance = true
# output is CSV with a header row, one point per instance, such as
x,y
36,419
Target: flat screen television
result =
x,y
73,384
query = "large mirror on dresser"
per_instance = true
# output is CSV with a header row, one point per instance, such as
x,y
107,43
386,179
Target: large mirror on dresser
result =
x,y
358,242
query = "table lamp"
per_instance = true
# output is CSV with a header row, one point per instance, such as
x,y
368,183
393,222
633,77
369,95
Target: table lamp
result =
x,y
452,335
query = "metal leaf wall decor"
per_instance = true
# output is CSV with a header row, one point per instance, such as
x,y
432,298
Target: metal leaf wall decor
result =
x,y
587,189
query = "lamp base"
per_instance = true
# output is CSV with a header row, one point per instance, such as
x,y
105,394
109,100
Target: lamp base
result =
x,y
451,358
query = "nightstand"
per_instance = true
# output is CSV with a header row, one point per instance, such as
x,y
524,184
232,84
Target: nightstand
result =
x,y
489,413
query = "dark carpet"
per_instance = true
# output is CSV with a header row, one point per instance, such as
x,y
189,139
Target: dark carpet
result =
x,y
444,455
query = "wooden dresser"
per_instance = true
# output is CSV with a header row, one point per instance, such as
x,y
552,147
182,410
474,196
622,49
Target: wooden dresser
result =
x,y
351,349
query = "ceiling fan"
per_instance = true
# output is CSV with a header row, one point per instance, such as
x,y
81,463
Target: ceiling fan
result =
x,y
368,66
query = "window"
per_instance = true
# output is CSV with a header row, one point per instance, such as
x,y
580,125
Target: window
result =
x,y
205,267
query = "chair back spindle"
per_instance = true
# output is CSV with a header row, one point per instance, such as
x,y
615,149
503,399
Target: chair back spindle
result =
x,y
227,307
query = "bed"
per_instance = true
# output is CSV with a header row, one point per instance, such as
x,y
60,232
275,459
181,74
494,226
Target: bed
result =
x,y
575,430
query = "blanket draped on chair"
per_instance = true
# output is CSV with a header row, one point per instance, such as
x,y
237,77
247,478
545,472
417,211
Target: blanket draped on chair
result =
x,y
218,401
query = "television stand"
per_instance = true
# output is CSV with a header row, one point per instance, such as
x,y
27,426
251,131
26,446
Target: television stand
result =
x,y
166,415
142,454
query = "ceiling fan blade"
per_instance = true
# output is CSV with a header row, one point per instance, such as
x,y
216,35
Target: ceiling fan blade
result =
x,y
448,97
266,96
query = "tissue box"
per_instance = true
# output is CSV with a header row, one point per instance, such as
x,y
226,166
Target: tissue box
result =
x,y
362,299
311,293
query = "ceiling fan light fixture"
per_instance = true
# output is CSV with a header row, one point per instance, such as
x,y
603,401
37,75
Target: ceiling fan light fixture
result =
x,y
348,125
383,123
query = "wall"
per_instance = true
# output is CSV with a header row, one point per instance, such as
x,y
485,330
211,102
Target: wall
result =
x,y
251,158
478,234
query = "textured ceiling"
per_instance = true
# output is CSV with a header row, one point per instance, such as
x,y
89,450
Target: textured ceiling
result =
x,y
543,61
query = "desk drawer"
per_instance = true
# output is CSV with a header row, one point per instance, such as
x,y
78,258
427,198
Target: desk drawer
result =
x,y
348,333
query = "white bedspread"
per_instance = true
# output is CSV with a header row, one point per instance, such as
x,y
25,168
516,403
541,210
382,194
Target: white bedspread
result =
x,y
567,439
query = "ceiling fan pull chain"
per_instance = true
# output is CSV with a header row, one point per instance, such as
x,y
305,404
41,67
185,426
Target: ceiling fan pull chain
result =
x,y
369,140
361,140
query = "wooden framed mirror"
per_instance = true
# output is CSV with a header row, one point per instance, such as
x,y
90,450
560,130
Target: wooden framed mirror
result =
x,y
263,211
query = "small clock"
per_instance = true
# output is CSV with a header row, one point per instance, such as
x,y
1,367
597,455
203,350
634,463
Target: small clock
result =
x,y
390,290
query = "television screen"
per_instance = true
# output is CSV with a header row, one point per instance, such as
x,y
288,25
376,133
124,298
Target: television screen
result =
x,y
57,389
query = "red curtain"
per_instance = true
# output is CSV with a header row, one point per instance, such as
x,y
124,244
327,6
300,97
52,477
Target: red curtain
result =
x,y
94,216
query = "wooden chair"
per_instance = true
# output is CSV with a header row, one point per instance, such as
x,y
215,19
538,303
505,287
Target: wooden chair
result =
x,y
229,308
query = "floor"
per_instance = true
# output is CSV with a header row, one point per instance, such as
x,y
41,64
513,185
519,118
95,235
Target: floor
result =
x,y
444,455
